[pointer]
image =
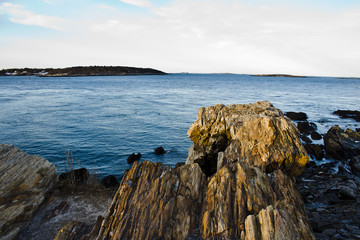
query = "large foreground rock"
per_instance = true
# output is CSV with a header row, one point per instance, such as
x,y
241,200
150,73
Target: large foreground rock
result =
x,y
248,192
159,202
24,182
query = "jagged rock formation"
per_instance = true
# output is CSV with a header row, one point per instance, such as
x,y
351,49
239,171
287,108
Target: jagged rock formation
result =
x,y
257,134
24,181
237,183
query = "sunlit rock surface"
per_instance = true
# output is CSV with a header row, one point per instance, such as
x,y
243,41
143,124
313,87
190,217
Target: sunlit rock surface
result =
x,y
256,133
24,181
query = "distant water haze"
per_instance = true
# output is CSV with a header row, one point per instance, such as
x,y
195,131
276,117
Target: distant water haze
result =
x,y
102,120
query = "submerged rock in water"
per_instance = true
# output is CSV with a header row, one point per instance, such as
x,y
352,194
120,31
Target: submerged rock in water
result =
x,y
133,157
340,144
348,114
159,151
297,116
250,195
24,183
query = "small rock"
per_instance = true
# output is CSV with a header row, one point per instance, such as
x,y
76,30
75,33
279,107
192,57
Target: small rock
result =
x,y
109,181
159,151
351,227
347,193
133,157
316,136
306,127
297,116
355,164
315,150
329,232
305,139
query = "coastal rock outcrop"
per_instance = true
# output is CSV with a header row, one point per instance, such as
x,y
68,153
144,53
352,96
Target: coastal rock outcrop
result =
x,y
256,133
238,183
340,144
24,182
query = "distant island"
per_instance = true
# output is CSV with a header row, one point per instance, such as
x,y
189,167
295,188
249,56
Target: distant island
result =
x,y
277,75
80,71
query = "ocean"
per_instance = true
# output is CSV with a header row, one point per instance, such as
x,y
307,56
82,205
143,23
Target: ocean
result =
x,y
100,121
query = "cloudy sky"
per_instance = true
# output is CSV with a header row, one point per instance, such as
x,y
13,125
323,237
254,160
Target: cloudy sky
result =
x,y
306,37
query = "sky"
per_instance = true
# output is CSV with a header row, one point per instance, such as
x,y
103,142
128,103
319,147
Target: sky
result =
x,y
300,37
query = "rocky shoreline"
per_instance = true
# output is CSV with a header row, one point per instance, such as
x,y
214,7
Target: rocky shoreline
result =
x,y
247,176
80,71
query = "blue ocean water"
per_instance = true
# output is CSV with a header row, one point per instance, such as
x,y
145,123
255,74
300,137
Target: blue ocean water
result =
x,y
101,120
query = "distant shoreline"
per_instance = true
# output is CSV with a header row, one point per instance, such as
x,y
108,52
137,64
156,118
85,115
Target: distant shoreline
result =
x,y
81,71
278,75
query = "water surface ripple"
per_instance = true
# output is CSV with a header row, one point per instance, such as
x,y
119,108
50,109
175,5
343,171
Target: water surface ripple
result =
x,y
102,120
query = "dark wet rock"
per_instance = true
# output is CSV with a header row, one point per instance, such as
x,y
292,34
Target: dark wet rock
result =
x,y
109,181
316,136
355,164
159,151
329,232
340,144
331,199
347,193
315,150
306,127
348,114
133,157
305,139
297,116
75,177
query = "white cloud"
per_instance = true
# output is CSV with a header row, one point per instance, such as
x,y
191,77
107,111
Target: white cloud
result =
x,y
139,3
268,38
104,6
49,2
21,16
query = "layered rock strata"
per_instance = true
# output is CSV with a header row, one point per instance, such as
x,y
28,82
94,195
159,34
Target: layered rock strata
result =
x,y
24,182
237,183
